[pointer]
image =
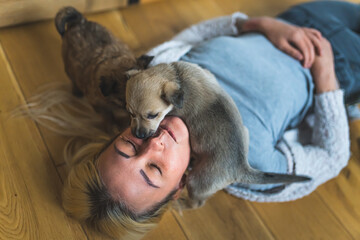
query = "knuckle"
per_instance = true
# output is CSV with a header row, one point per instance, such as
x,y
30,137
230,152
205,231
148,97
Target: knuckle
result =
x,y
326,42
282,47
296,35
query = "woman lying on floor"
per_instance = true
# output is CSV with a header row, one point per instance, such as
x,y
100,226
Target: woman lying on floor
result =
x,y
274,94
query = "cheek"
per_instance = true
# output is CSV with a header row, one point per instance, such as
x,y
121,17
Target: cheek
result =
x,y
178,157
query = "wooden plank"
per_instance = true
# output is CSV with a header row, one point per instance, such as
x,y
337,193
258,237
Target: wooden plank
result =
x,y
306,218
172,17
206,9
152,23
34,53
149,1
159,21
223,217
22,11
258,8
114,21
342,195
186,13
30,187
355,139
168,228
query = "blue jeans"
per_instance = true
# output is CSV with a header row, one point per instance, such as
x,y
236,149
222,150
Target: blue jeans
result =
x,y
339,22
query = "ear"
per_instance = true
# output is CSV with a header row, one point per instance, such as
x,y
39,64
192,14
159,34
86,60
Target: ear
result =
x,y
108,86
182,184
131,73
173,94
143,61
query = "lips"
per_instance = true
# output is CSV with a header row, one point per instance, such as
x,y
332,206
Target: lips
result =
x,y
169,131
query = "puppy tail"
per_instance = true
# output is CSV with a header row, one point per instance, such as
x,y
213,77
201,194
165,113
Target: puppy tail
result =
x,y
253,176
66,17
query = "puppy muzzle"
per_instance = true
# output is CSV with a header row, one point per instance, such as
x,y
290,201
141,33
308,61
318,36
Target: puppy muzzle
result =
x,y
142,132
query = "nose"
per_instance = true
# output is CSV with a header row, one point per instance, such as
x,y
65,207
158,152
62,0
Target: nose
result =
x,y
157,142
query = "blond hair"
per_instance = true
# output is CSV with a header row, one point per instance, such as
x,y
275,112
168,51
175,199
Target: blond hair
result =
x,y
85,197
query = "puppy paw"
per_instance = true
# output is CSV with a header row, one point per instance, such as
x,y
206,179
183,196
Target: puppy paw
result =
x,y
196,203
186,203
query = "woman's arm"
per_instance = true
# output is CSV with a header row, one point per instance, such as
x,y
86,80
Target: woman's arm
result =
x,y
329,150
221,26
299,42
330,138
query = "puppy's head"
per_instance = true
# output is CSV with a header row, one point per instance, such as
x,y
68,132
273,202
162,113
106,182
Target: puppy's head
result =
x,y
150,95
112,75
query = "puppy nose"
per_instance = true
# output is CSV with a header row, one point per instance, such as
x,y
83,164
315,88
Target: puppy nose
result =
x,y
136,133
142,133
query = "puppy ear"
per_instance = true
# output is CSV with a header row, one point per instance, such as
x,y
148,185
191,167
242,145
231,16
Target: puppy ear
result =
x,y
143,61
173,94
108,86
131,73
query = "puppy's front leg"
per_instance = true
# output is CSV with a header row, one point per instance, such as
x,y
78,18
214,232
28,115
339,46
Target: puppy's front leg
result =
x,y
204,180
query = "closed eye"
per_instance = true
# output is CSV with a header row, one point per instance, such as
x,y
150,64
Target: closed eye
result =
x,y
130,142
156,166
152,116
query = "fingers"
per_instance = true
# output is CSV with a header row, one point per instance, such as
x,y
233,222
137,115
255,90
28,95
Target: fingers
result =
x,y
291,50
308,41
315,32
310,57
301,41
315,37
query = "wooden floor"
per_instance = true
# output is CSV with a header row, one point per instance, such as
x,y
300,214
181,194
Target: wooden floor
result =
x,y
32,168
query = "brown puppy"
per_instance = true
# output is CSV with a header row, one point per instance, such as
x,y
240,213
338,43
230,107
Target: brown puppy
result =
x,y
219,140
96,63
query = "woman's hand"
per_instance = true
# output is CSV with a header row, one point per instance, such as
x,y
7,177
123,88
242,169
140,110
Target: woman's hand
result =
x,y
299,42
323,70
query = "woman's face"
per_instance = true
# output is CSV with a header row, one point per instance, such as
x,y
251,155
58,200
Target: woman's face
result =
x,y
143,172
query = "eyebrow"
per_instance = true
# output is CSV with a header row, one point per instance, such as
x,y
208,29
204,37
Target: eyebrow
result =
x,y
120,152
147,179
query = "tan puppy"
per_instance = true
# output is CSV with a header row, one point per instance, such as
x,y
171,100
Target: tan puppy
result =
x,y
96,62
218,138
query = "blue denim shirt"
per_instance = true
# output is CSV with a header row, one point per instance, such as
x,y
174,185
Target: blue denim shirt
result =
x,y
272,91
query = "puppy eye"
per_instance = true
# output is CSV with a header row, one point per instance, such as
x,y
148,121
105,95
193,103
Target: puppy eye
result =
x,y
152,116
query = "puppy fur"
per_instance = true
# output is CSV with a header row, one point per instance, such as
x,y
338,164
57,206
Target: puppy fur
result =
x,y
96,63
218,138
